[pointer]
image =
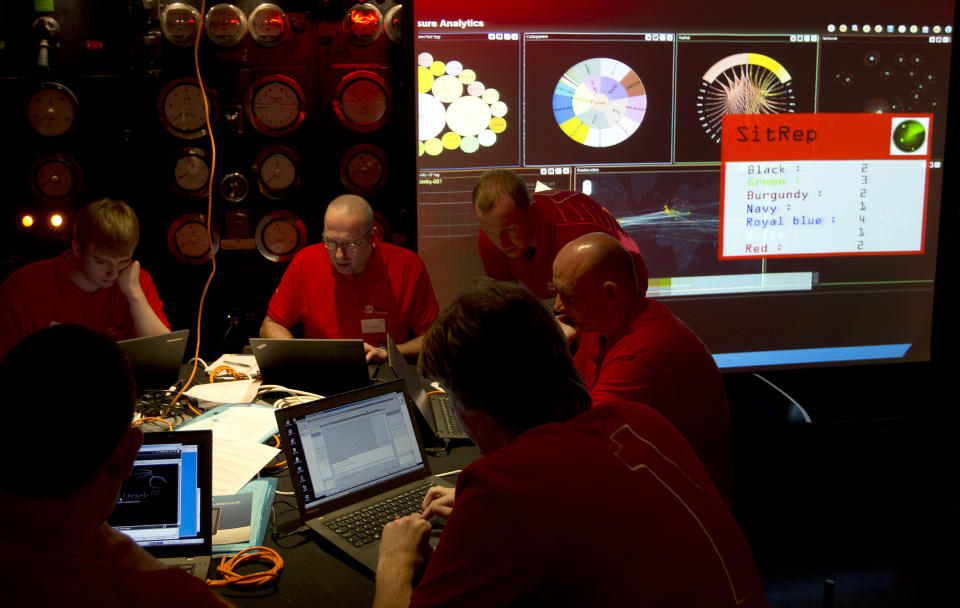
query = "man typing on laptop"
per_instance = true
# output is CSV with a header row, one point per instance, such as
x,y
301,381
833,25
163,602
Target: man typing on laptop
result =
x,y
569,505
56,548
354,286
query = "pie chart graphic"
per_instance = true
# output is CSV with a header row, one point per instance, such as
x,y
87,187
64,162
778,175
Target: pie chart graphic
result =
x,y
599,102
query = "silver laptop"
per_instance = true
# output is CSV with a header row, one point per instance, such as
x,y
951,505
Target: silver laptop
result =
x,y
166,504
435,407
357,462
321,366
156,360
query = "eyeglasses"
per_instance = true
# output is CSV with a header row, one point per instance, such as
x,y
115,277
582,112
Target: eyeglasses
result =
x,y
351,246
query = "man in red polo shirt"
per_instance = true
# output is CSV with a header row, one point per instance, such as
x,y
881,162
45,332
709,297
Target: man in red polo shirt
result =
x,y
353,286
97,283
521,234
632,349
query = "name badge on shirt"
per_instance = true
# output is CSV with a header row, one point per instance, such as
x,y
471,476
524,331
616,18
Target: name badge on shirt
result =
x,y
373,326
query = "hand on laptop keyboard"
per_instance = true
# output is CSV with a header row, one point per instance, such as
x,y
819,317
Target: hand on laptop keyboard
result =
x,y
438,501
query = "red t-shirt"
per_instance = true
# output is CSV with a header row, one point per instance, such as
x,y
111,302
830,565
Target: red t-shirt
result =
x,y
393,295
655,359
41,294
609,508
36,578
559,216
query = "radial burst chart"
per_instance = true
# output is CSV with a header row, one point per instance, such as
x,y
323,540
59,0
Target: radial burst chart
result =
x,y
745,83
599,102
456,110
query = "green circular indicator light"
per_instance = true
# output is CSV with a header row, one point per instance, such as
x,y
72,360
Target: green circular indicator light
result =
x,y
909,136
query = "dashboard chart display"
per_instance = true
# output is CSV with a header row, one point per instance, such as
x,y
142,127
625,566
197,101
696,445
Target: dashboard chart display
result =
x,y
780,170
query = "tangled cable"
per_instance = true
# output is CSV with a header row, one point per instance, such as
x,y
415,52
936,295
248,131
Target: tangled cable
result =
x,y
257,579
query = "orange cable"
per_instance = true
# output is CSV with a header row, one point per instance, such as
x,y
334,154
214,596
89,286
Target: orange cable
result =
x,y
257,579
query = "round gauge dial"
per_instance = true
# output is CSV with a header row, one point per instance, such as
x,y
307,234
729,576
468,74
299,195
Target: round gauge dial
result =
x,y
362,101
226,24
234,187
191,172
52,109
362,24
393,24
187,239
55,177
179,23
363,169
275,105
181,108
280,235
278,169
268,25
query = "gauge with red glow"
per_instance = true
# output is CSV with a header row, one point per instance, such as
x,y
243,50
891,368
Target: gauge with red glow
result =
x,y
181,108
363,169
180,23
225,24
268,24
52,109
187,239
361,101
275,105
55,177
278,171
280,235
393,24
362,24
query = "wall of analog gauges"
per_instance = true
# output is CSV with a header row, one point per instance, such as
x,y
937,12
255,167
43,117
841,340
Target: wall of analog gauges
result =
x,y
300,104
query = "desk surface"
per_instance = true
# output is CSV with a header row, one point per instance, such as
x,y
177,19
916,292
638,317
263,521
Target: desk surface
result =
x,y
312,574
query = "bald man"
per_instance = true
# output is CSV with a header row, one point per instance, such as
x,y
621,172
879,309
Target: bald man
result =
x,y
630,348
353,286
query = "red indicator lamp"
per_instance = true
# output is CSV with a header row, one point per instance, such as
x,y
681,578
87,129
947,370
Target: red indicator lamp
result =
x,y
364,21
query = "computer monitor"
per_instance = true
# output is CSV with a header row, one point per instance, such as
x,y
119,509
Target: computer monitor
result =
x,y
780,167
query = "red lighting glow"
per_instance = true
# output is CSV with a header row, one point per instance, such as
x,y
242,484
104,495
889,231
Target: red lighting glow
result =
x,y
363,17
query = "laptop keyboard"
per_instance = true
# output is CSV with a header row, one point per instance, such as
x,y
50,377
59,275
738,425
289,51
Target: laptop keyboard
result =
x,y
364,525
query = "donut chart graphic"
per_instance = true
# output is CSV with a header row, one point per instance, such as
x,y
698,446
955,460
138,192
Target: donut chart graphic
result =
x,y
455,110
599,102
744,83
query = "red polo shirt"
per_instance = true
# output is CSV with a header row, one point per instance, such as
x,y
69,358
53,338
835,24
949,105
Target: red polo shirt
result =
x,y
393,295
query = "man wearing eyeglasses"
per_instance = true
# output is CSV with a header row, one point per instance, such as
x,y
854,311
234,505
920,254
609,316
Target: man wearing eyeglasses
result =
x,y
353,286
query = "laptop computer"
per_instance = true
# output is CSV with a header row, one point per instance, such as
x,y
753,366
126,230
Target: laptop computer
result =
x,y
356,455
167,503
435,407
156,360
321,366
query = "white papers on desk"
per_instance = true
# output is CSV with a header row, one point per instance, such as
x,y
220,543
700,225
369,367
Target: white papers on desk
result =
x,y
245,364
234,464
237,391
238,454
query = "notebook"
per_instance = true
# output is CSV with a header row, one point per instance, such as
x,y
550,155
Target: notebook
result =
x,y
166,504
350,452
436,408
325,367
156,360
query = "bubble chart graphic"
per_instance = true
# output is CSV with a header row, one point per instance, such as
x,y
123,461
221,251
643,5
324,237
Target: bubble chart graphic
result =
x,y
455,110
599,102
745,83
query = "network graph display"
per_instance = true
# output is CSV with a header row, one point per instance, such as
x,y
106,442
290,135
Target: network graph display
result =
x,y
777,253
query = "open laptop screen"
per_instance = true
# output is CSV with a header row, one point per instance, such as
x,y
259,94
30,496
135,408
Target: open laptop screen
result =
x,y
340,448
161,504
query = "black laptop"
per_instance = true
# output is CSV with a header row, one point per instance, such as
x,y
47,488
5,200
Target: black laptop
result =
x,y
156,360
434,406
320,366
166,504
357,462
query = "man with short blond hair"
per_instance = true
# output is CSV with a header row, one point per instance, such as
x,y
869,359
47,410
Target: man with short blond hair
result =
x,y
353,286
97,283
